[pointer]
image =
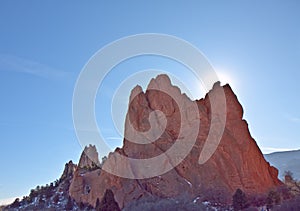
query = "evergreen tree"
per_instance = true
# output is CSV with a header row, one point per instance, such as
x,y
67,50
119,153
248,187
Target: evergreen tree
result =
x,y
56,198
81,206
69,205
16,203
239,200
288,176
97,204
108,202
272,199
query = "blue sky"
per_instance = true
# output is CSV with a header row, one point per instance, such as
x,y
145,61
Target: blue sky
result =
x,y
45,44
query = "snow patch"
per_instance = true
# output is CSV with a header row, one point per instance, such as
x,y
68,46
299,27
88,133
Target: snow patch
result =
x,y
196,199
188,182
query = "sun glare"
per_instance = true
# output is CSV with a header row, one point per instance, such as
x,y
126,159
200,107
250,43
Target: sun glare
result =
x,y
225,78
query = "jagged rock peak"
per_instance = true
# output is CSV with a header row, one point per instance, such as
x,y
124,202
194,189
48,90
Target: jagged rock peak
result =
x,y
160,80
69,170
89,158
236,163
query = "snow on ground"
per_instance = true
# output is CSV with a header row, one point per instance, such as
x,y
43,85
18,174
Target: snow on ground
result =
x,y
188,182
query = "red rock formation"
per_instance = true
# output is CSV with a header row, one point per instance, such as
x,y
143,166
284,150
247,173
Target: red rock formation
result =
x,y
69,170
89,158
236,163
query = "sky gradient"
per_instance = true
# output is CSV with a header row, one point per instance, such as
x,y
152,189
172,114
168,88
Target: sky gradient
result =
x,y
45,44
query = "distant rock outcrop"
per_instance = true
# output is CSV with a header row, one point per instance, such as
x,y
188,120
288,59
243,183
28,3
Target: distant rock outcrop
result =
x,y
69,170
237,162
89,159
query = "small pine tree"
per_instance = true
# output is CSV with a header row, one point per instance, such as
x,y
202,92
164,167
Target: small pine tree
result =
x,y
56,198
69,205
56,183
103,160
90,207
272,199
239,200
33,193
288,176
108,202
81,206
97,207
16,203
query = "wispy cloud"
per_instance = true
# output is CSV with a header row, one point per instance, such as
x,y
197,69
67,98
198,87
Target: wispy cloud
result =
x,y
26,66
267,150
294,119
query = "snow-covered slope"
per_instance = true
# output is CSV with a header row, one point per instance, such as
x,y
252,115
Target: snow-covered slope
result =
x,y
286,161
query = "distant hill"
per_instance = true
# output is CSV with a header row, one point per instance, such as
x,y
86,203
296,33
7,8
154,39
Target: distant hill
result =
x,y
285,161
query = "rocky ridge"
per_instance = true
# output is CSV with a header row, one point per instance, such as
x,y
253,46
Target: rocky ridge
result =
x,y
236,163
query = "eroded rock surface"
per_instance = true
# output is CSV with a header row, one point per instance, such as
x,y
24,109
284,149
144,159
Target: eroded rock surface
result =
x,y
236,163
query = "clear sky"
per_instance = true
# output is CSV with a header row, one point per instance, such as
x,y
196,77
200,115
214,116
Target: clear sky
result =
x,y
44,45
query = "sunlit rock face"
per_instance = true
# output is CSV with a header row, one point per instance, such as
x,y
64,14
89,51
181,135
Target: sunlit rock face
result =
x,y
89,158
236,163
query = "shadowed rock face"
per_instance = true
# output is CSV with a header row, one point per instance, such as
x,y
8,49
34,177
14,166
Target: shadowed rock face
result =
x,y
69,170
236,163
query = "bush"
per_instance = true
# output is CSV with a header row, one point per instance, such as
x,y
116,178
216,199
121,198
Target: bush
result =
x,y
56,198
220,198
69,205
273,199
16,203
292,204
257,200
288,176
